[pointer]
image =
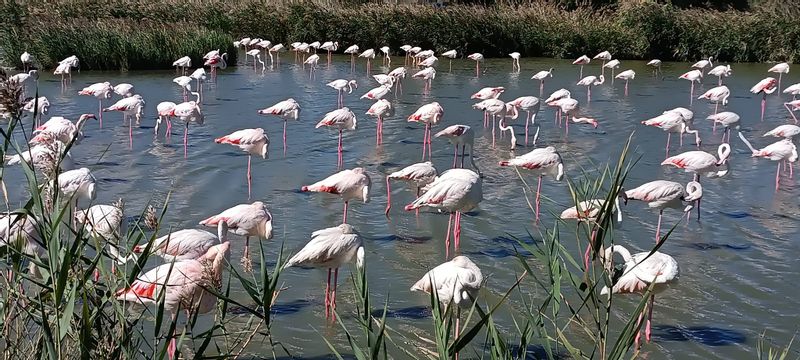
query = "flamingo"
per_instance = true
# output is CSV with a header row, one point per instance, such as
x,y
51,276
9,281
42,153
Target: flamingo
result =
x,y
286,109
719,71
103,223
515,61
277,50
352,50
781,150
727,119
590,81
368,54
254,53
330,248
455,282
582,60
531,106
21,231
244,220
377,93
77,185
251,141
384,79
717,95
100,91
62,129
186,244
588,210
428,114
764,87
406,49
604,56
450,55
199,75
460,135
662,194
349,184
398,74
701,162
164,107
784,131
184,285
569,107
43,157
124,90
40,106
792,106
341,119
130,107
427,74
387,60
641,270
702,64
380,109
613,64
485,94
428,62
552,100
511,112
693,76
656,64
494,108
330,46
541,162
339,85
454,191
182,64
626,75
217,62
419,175
27,60
477,57
185,83
541,76
312,62
412,52
188,112
793,89
782,68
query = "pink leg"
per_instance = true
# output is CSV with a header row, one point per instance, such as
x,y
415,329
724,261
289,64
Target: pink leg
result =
x,y
388,197
589,93
538,191
447,237
455,155
249,178
763,106
327,295
527,122
494,125
185,140
284,138
340,160
171,348
100,113
647,330
586,256
638,333
130,133
333,293
691,94
669,135
430,146
457,232
777,177
790,112
658,227
626,87
463,150
344,215
424,141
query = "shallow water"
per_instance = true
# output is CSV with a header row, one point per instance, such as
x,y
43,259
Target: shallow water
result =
x,y
736,263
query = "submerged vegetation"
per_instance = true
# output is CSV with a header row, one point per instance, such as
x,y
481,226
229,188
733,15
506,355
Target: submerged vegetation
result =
x,y
129,34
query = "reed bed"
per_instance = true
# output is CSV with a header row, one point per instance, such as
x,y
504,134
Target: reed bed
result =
x,y
143,35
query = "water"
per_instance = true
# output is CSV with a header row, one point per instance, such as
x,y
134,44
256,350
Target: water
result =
x,y
735,273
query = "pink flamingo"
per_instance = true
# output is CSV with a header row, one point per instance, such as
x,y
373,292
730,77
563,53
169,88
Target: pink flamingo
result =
x,y
541,162
330,248
583,60
398,74
455,191
604,56
782,68
641,270
460,135
701,162
764,87
427,74
552,101
702,64
100,91
531,106
419,175
330,46
217,62
450,55
245,220
352,50
626,75
286,109
541,76
784,131
164,107
588,210
693,76
130,107
494,108
62,129
339,85
720,71
590,81
184,284
672,122
477,57
727,119
377,93
380,109
251,141
792,106
368,54
341,119
186,244
188,112
662,194
348,184
781,150
718,95
428,114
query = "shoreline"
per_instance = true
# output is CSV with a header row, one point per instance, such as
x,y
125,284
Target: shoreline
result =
x,y
151,36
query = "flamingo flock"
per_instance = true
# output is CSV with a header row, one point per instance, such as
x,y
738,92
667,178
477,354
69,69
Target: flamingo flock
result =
x,y
199,255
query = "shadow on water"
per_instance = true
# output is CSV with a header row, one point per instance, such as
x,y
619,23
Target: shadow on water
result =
x,y
716,246
412,312
506,246
321,357
411,239
290,307
533,352
705,335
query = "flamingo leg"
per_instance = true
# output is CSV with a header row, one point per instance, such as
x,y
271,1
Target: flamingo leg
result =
x,y
790,112
284,137
333,293
658,227
669,135
447,237
541,88
527,122
130,132
494,121
340,161
430,146
763,105
647,329
538,192
457,232
777,177
100,113
626,87
589,93
327,294
455,155
249,178
580,76
638,333
344,214
691,94
463,149
185,140
424,141
388,197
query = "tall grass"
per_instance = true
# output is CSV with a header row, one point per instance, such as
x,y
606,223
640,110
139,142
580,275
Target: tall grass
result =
x,y
142,35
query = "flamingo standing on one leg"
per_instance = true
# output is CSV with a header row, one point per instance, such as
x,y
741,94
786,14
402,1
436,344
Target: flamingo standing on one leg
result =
x,y
130,107
330,46
349,184
428,114
782,68
286,109
419,175
339,85
450,55
613,65
764,87
251,141
100,91
27,60
245,220
701,162
541,162
460,135
477,57
368,54
341,119
541,76
626,75
330,248
380,109
455,282
641,270
454,191
604,56
352,50
693,76
531,106
717,95
583,60
662,194
782,150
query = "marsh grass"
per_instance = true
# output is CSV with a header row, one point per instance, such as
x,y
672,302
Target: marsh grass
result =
x,y
129,34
